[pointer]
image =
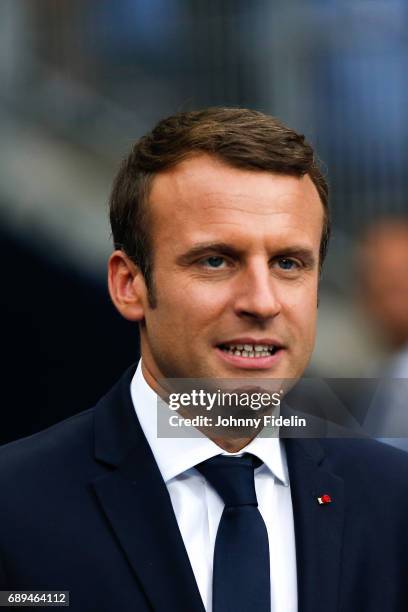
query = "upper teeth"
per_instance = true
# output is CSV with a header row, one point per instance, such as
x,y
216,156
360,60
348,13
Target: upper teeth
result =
x,y
258,348
250,350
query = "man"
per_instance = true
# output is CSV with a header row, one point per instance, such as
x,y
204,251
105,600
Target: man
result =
x,y
220,224
382,263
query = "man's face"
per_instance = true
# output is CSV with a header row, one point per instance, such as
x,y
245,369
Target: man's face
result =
x,y
383,262
235,271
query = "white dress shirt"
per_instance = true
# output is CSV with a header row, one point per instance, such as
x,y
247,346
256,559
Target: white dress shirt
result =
x,y
198,507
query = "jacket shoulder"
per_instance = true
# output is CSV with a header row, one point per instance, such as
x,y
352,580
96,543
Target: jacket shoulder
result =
x,y
368,461
65,444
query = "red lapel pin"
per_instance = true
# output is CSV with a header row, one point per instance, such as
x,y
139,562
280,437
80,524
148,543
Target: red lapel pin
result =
x,y
324,499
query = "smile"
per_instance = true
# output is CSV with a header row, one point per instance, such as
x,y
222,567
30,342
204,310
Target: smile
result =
x,y
250,353
253,351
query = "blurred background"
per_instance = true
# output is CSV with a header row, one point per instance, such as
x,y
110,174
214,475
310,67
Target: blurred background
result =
x,y
81,80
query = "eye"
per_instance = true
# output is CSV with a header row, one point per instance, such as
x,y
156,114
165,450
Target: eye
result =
x,y
285,263
214,261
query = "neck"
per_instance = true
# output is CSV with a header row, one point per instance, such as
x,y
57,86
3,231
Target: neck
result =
x,y
229,443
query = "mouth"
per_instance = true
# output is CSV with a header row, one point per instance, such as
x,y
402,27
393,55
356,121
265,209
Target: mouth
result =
x,y
251,354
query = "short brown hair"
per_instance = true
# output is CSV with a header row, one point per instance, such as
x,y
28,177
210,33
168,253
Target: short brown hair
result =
x,y
240,137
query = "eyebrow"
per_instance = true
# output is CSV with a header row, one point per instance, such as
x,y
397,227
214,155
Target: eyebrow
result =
x,y
299,251
205,247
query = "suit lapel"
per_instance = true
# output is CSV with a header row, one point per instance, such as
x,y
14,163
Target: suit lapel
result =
x,y
137,505
318,528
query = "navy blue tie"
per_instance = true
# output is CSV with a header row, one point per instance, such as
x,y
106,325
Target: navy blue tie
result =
x,y
241,573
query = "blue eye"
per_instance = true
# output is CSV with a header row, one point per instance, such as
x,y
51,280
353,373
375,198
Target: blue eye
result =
x,y
286,264
214,261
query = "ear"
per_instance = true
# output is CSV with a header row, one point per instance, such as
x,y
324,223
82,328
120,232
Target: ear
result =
x,y
127,287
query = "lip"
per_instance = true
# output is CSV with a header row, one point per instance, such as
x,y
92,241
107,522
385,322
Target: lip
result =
x,y
249,340
251,363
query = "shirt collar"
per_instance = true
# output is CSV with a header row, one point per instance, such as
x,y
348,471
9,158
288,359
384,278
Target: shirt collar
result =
x,y
177,455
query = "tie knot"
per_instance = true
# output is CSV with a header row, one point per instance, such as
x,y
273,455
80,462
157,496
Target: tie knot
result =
x,y
232,478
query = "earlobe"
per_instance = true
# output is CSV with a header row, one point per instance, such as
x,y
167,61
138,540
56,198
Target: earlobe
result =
x,y
127,287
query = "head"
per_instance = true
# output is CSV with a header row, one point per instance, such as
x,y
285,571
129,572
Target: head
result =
x,y
220,224
382,263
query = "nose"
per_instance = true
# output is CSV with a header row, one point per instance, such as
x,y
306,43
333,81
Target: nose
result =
x,y
257,295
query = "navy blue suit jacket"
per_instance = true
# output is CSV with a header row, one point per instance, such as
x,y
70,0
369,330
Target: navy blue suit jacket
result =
x,y
83,508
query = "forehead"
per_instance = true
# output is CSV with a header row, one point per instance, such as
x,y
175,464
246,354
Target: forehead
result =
x,y
203,195
383,257
389,238
388,244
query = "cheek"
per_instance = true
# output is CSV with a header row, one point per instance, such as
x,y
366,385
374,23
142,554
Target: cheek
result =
x,y
301,306
197,297
183,312
303,291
